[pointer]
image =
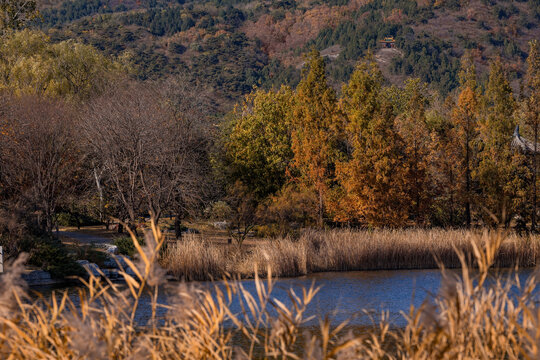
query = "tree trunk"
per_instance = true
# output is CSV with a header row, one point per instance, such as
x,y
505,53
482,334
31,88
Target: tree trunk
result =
x,y
100,193
452,198
178,227
321,210
533,217
467,185
133,227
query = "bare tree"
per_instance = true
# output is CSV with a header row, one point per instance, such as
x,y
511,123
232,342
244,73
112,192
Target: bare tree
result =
x,y
192,103
153,157
38,157
243,216
15,13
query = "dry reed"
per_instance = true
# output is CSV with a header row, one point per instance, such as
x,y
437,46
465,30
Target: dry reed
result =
x,y
341,250
473,317
195,259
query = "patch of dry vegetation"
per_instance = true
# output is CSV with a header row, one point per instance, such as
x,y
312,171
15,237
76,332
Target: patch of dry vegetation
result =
x,y
340,250
473,317
193,259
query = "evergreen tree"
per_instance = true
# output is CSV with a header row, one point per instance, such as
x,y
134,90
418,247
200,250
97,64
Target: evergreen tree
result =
x,y
372,177
444,165
498,167
532,118
465,118
412,128
315,130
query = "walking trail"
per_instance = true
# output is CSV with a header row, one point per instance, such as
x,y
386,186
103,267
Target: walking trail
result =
x,y
83,238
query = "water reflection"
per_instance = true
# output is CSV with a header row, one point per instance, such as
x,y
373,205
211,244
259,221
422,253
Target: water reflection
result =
x,y
342,295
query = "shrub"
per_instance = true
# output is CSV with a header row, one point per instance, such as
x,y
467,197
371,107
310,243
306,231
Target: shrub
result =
x,y
92,254
75,219
125,245
291,208
51,255
177,48
219,210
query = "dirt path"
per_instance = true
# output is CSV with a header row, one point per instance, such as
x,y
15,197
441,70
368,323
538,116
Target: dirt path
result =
x,y
384,58
83,238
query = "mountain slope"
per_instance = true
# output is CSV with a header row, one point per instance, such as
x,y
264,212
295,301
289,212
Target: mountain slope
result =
x,y
234,45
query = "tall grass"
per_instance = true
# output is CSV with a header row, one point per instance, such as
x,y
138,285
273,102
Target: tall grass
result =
x,y
473,317
196,259
342,250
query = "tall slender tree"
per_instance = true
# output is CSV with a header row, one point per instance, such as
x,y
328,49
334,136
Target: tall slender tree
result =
x,y
465,118
315,130
497,163
372,176
444,164
532,118
412,127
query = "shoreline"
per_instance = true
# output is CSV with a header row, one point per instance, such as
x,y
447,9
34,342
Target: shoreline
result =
x,y
171,279
196,258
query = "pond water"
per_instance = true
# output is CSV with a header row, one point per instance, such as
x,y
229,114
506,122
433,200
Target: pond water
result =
x,y
342,295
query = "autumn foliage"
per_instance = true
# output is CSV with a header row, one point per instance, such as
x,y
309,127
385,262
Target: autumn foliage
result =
x,y
374,155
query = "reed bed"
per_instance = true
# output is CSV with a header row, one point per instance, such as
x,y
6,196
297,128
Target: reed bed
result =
x,y
193,259
473,317
341,250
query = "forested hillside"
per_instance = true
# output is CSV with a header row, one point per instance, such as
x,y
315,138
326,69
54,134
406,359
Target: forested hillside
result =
x,y
234,45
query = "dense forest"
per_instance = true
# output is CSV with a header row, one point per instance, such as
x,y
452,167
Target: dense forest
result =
x,y
235,45
91,131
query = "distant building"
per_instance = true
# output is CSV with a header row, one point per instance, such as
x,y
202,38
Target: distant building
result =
x,y
388,42
526,146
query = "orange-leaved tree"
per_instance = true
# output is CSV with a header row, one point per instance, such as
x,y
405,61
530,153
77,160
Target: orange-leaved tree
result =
x,y
315,132
465,120
412,127
371,177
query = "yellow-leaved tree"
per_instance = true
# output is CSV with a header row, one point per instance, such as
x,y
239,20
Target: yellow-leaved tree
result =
x,y
257,141
31,64
15,13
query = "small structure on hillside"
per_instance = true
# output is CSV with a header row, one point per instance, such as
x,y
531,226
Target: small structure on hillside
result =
x,y
388,42
524,145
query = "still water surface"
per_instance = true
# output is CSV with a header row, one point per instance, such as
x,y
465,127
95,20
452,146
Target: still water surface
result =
x,y
342,295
